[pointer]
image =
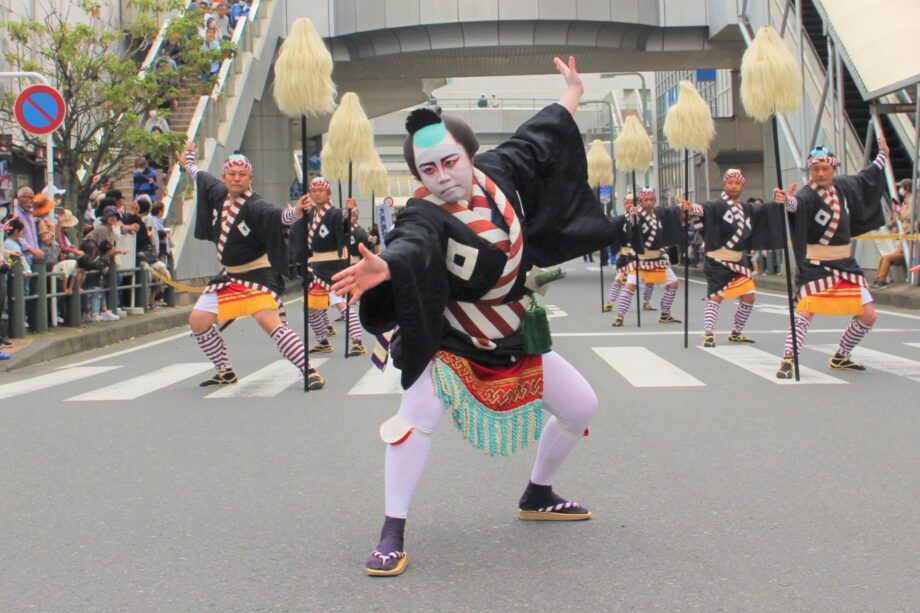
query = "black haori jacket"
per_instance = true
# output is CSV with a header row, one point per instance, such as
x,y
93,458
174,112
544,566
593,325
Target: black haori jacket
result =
x,y
766,226
860,212
670,230
257,231
542,170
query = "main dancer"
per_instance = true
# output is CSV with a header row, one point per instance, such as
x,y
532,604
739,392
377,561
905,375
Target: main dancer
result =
x,y
452,277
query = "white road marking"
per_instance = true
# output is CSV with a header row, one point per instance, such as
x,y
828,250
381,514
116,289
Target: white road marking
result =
x,y
150,382
41,382
917,345
376,382
552,311
886,362
764,365
680,332
266,382
642,368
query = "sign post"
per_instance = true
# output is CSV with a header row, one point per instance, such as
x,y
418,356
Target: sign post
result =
x,y
34,108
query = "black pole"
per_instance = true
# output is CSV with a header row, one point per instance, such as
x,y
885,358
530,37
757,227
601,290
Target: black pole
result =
x,y
306,259
636,251
347,256
686,251
603,296
779,183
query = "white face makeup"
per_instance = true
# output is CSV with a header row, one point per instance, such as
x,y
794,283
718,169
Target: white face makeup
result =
x,y
445,168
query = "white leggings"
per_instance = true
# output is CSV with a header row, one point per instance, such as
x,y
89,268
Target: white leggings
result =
x,y
567,396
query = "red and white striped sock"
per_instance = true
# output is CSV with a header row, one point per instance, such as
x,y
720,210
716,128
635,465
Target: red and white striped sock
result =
x,y
320,329
851,336
290,345
354,324
625,300
741,316
710,317
213,346
326,321
647,293
801,328
667,300
614,292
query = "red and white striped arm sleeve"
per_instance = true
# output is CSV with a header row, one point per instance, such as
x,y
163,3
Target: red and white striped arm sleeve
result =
x,y
792,205
191,164
880,160
288,216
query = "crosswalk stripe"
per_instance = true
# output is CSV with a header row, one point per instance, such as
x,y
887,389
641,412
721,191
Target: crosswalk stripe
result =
x,y
917,345
266,382
53,379
129,389
892,364
642,368
764,365
376,381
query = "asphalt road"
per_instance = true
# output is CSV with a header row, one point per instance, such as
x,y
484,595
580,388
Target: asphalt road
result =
x,y
713,487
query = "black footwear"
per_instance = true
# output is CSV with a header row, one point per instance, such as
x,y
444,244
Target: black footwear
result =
x,y
222,377
321,347
607,308
709,341
667,318
4,342
389,559
738,337
330,331
879,284
648,307
786,369
315,380
357,349
617,322
843,362
541,503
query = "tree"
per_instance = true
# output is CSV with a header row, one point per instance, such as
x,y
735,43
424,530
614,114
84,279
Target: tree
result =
x,y
106,96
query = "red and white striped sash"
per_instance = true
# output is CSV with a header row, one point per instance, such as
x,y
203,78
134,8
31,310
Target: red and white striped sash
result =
x,y
831,199
825,283
228,215
650,227
318,215
737,219
489,318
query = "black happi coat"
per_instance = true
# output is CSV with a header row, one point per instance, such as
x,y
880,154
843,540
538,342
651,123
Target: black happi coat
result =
x,y
542,171
860,212
763,230
257,231
621,239
329,236
358,236
670,230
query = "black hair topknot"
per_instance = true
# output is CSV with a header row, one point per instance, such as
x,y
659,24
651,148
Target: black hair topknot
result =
x,y
420,118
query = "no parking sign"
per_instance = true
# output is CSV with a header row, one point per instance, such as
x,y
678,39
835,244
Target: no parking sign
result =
x,y
39,109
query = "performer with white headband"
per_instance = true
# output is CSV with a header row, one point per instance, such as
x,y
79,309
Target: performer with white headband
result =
x,y
651,230
248,233
471,343
325,240
827,213
731,228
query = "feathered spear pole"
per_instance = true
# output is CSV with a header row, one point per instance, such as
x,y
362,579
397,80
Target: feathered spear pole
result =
x,y
372,179
771,84
351,141
304,87
688,126
633,151
600,172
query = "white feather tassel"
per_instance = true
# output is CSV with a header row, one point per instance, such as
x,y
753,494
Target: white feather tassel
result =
x,y
350,131
600,166
303,73
633,147
770,79
688,124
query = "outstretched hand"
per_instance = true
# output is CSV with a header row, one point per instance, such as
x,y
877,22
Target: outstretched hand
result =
x,y
780,196
370,272
883,143
576,88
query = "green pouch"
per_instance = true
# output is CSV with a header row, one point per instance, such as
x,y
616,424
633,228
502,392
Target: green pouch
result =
x,y
537,338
